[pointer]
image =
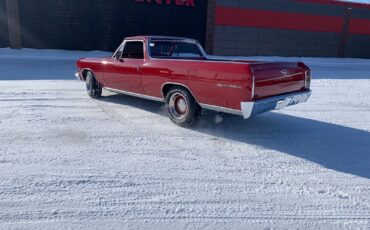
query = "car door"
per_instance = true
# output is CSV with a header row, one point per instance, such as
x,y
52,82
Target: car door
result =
x,y
123,70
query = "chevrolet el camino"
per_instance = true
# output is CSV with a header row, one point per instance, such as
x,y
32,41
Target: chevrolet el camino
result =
x,y
177,71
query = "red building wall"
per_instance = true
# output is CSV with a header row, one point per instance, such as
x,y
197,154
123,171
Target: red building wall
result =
x,y
292,28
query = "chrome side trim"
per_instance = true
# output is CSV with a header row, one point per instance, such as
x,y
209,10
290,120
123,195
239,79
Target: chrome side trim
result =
x,y
221,109
135,94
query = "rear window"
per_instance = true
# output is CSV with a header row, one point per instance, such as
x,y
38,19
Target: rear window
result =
x,y
174,49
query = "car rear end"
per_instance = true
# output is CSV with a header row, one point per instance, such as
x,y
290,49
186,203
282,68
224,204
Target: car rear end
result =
x,y
276,85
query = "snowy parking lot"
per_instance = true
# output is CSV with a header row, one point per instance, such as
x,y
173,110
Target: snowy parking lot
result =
x,y
70,162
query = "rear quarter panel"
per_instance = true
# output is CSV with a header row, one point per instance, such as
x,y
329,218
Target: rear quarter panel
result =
x,y
223,84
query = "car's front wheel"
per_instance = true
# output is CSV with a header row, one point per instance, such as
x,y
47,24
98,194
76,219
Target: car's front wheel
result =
x,y
183,109
92,86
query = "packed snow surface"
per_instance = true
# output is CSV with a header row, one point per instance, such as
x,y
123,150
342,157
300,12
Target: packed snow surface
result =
x,y
71,162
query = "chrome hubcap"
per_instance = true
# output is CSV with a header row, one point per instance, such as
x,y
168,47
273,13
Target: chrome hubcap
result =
x,y
181,106
178,106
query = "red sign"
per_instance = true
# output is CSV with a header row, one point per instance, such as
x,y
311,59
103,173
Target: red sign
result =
x,y
190,3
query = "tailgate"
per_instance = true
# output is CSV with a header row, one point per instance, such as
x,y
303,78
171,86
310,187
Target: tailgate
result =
x,y
274,78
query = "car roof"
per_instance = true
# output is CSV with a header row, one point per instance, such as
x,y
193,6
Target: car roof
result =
x,y
157,38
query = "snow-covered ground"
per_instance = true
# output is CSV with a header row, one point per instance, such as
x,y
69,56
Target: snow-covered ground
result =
x,y
70,162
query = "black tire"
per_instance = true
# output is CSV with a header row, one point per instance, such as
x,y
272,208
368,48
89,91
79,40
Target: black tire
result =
x,y
182,108
94,90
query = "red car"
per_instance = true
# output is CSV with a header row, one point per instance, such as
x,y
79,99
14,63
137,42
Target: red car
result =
x,y
178,72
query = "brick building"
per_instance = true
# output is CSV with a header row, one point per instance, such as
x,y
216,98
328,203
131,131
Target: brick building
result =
x,y
319,28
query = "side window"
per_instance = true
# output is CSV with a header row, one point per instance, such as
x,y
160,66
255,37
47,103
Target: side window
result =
x,y
133,50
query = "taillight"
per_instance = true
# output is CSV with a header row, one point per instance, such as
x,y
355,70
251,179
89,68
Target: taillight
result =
x,y
307,83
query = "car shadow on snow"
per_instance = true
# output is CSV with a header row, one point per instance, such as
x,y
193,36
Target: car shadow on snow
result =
x,y
333,146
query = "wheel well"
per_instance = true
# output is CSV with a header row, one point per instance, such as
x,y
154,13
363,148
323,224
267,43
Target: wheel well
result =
x,y
84,72
168,86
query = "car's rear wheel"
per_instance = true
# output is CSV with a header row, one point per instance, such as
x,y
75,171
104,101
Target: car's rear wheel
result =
x,y
94,90
182,107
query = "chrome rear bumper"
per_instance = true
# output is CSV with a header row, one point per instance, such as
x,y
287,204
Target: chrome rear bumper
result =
x,y
250,109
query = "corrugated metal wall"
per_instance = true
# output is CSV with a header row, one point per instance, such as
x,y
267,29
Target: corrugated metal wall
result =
x,y
291,28
101,25
4,35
